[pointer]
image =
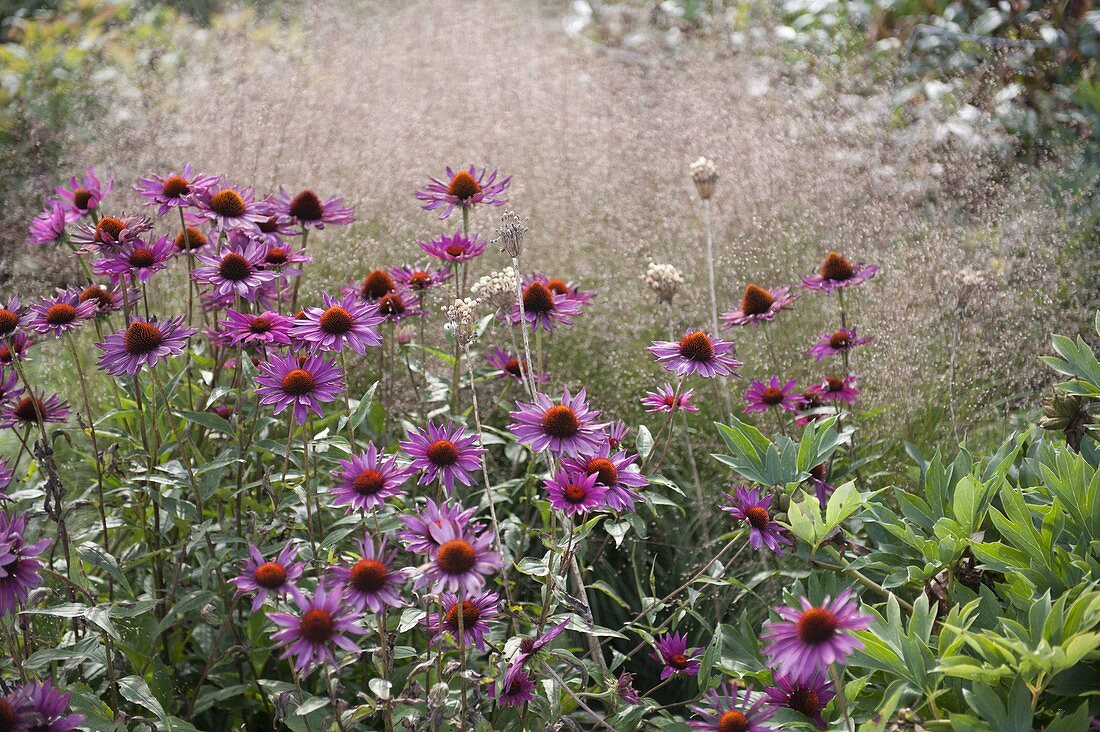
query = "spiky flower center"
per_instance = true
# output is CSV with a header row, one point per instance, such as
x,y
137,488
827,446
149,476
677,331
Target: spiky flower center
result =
x,y
575,493
811,399
142,338
605,470
276,256
733,721
81,198
818,471
537,298
471,613
368,575
391,304
8,321
306,206
817,625
190,238
512,367
29,408
527,645
837,268
298,382
805,700
103,298
678,661
108,229
228,203
7,716
260,324
758,517
376,284
270,575
142,257
234,267
560,421
454,250
772,396
175,186
756,300
839,341
456,556
558,285
834,384
60,314
369,482
697,347
317,626
464,186
442,453
336,321
269,225
420,280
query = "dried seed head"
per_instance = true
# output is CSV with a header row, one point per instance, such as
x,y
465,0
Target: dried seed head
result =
x,y
704,173
510,234
461,316
663,279
497,289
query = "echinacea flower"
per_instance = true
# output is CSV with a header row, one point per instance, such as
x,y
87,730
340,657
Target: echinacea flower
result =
x,y
613,471
465,189
11,316
420,278
753,509
189,239
84,196
696,353
48,708
347,321
306,209
761,396
418,536
277,577
510,366
833,389
475,609
5,475
616,433
136,259
32,410
305,384
143,343
237,270
544,308
19,568
377,284
16,710
455,247
759,305
665,399
398,304
107,300
227,207
49,224
838,272
728,710
367,480
575,493
14,347
173,190
461,561
60,313
10,391
808,697
675,657
322,624
812,407
267,329
565,427
834,344
571,290
444,454
813,637
528,647
515,689
371,583
110,232
624,688
283,257
819,480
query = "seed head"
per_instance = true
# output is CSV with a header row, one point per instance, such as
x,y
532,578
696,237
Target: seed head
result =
x,y
704,173
663,279
510,234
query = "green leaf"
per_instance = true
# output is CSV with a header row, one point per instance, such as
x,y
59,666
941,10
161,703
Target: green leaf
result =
x,y
208,419
136,691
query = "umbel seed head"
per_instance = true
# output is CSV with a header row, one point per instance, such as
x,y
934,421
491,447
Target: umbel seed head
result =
x,y
510,234
704,173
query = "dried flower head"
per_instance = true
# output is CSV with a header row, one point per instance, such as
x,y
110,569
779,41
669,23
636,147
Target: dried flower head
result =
x,y
461,316
663,279
704,173
510,234
497,289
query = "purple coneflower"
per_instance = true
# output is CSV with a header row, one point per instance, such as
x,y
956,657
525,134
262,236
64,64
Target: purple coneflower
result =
x,y
675,656
419,278
624,688
808,697
237,270
838,272
9,387
340,321
455,247
528,647
819,480
377,284
613,472
48,225
515,689
833,389
143,343
15,710
460,562
371,583
812,407
11,316
761,396
323,623
306,383
277,577
306,209
5,475
730,711
48,708
228,207
107,300
616,433
398,304
749,506
110,232
172,191
84,196
267,328
510,366
696,353
567,427
18,566
283,258
60,313
444,454
14,347
544,308
575,493
190,239
418,535
571,291
759,305
465,189
476,610
366,480
136,258
665,399
833,344
814,637
29,410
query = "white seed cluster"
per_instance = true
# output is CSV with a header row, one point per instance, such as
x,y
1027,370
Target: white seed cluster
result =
x,y
663,279
461,316
705,174
510,234
497,289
